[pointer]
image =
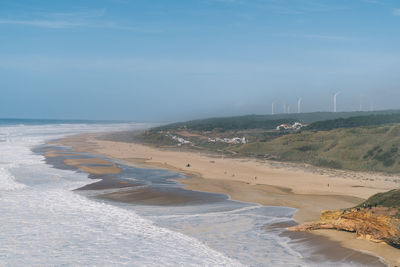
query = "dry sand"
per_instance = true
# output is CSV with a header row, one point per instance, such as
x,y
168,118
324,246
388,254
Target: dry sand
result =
x,y
267,183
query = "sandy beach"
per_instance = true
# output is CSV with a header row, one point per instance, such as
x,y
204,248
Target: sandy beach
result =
x,y
306,188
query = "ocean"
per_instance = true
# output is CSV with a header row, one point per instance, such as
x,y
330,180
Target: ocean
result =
x,y
45,223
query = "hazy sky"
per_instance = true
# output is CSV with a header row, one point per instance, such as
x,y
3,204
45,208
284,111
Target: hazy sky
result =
x,y
164,60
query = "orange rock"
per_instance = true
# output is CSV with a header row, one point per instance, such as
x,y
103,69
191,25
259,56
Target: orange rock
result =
x,y
373,224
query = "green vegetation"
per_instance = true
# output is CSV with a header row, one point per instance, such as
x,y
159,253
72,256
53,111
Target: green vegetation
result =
x,y
326,163
389,199
144,137
377,153
373,119
266,122
362,148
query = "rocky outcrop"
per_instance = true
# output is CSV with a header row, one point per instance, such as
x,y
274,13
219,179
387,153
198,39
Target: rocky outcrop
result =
x,y
378,224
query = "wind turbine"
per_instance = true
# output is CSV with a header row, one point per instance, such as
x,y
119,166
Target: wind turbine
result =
x,y
272,108
299,105
284,107
334,100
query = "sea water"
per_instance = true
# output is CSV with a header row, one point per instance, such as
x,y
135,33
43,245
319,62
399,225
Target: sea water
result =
x,y
45,223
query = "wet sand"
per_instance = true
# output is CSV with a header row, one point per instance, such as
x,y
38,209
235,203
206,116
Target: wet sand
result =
x,y
160,197
93,166
113,176
305,190
330,250
106,182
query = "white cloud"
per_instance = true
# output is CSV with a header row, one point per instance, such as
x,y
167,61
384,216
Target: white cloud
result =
x,y
396,12
58,20
86,18
329,37
78,15
323,37
372,1
41,23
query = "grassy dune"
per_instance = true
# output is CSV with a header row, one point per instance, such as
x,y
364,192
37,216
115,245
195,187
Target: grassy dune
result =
x,y
387,199
362,143
362,148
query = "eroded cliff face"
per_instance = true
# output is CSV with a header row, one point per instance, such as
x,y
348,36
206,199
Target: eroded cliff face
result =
x,y
377,224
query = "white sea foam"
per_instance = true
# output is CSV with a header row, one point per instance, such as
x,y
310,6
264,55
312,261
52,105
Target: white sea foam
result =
x,y
7,181
44,223
61,227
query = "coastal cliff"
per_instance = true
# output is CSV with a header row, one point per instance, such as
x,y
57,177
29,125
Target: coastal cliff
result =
x,y
375,224
377,219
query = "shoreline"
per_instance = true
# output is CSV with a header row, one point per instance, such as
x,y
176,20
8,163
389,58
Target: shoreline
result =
x,y
254,181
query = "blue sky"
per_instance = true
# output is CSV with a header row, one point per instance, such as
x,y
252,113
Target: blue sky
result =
x,y
158,60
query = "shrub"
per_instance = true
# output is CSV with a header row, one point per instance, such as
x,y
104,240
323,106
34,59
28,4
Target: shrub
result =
x,y
388,162
305,148
329,164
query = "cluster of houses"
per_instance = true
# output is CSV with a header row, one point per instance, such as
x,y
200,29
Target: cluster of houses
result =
x,y
235,140
180,140
285,126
